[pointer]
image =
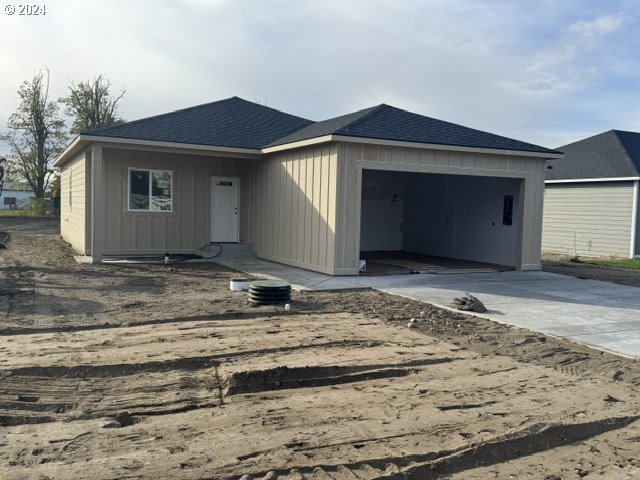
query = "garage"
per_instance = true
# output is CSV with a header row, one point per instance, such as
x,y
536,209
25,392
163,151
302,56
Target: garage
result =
x,y
423,222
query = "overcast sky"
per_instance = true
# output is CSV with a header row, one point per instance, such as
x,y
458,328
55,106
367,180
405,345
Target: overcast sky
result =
x,y
544,71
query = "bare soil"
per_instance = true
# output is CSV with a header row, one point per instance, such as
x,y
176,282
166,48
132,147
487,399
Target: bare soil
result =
x,y
563,266
197,384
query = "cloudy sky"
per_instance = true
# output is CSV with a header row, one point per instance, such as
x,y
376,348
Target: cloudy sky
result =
x,y
545,71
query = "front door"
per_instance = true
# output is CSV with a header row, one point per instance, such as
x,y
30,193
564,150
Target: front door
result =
x,y
224,209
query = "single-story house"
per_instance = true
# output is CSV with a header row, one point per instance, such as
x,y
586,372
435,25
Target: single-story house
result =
x,y
308,194
14,196
591,198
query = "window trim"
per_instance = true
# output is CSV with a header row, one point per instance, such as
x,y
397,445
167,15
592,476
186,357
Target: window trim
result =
x,y
150,170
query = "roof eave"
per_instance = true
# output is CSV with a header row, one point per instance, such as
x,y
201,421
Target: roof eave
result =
x,y
191,148
398,143
299,143
68,152
437,146
84,139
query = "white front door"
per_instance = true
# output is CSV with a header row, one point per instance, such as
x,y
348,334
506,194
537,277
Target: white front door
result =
x,y
224,209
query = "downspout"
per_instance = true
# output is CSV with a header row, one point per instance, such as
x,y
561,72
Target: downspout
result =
x,y
634,220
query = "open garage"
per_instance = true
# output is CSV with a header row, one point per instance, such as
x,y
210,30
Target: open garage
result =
x,y
455,205
422,221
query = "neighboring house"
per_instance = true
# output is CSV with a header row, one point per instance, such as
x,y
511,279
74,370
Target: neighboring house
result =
x,y
591,198
303,193
14,196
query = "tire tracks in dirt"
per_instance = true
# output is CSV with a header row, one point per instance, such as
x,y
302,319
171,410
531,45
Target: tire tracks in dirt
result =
x,y
434,465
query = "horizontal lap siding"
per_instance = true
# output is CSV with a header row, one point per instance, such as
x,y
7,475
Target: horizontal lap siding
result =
x,y
72,214
588,219
188,226
293,207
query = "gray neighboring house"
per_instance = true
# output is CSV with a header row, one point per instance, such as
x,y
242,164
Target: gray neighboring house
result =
x,y
591,198
308,194
15,196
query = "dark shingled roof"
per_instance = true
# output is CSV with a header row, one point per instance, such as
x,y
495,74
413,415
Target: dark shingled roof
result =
x,y
389,123
608,155
233,122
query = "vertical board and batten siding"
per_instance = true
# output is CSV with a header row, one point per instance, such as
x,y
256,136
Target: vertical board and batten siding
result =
x,y
293,207
73,217
354,157
184,229
588,219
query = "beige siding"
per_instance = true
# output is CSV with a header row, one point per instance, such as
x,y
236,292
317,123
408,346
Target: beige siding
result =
x,y
300,207
187,227
74,202
353,158
588,219
293,207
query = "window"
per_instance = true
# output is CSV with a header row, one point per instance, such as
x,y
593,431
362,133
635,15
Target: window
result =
x,y
70,185
10,200
150,190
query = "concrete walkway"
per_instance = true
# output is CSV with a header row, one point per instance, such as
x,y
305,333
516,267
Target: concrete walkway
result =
x,y
600,314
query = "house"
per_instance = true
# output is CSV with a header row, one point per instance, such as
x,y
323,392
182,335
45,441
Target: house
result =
x,y
308,194
591,198
15,196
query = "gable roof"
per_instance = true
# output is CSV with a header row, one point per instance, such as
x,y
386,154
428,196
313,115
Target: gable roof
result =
x,y
612,154
385,122
232,122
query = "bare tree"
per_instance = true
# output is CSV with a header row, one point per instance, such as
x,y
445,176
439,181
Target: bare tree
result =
x,y
2,162
91,105
36,133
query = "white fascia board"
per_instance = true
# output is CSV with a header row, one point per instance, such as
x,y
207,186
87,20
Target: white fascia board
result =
x,y
396,143
301,143
584,180
436,146
288,146
67,151
176,145
128,142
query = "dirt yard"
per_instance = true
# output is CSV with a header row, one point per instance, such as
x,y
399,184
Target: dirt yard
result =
x,y
563,266
160,372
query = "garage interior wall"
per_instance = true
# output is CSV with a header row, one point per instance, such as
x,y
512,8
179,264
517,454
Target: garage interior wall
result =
x,y
453,216
382,211
589,219
461,217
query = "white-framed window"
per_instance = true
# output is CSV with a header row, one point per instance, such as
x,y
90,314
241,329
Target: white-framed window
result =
x,y
150,190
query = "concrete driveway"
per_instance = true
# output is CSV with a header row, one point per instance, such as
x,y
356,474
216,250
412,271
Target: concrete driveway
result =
x,y
603,315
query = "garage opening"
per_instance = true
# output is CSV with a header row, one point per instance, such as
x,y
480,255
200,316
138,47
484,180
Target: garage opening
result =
x,y
434,223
